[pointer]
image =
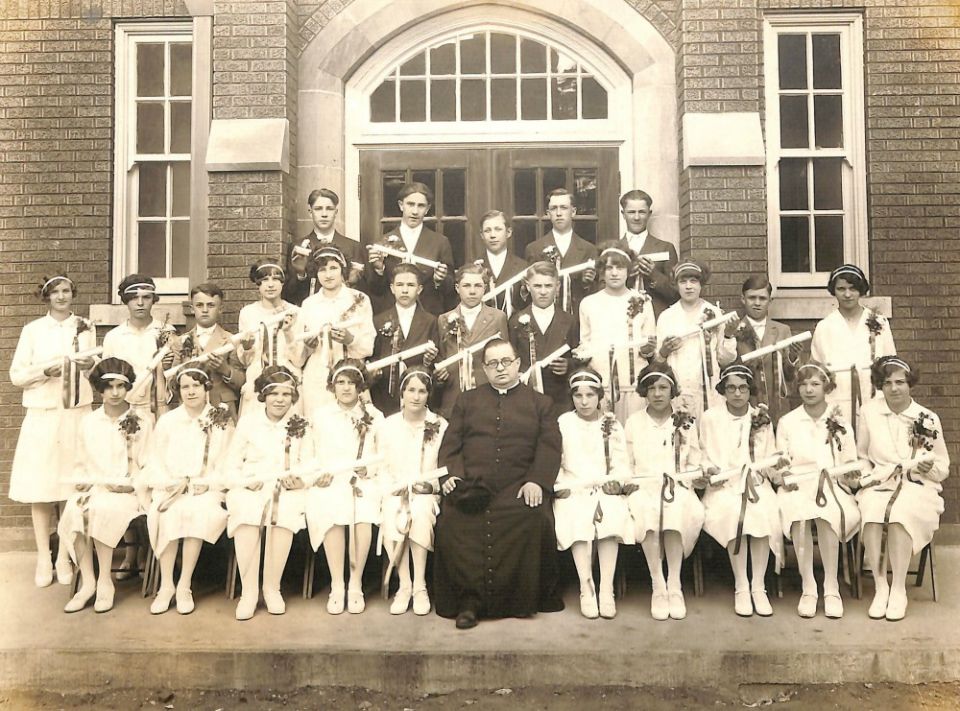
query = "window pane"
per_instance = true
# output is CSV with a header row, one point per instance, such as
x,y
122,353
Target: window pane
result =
x,y
391,182
473,54
533,99
562,63
826,62
443,59
179,126
454,192
564,97
383,103
181,189
503,99
586,229
473,100
152,249
180,249
793,184
443,100
594,102
415,66
524,232
794,244
827,185
828,121
792,52
533,57
455,232
150,128
553,178
793,122
428,178
153,190
585,191
413,100
503,53
149,69
181,69
829,242
525,192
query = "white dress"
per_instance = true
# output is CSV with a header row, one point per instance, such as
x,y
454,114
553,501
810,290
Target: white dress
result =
x,y
652,453
46,450
687,361
725,442
884,439
348,305
603,322
179,449
350,498
840,347
106,454
263,449
405,456
138,346
280,350
804,440
588,514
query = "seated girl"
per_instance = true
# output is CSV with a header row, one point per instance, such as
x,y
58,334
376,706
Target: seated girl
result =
x,y
589,506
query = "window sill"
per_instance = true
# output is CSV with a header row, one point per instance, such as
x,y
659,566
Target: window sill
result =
x,y
806,306
113,314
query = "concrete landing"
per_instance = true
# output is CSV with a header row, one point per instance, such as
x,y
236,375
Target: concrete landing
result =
x,y
41,647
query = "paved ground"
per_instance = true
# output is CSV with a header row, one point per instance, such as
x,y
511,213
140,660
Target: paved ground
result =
x,y
43,648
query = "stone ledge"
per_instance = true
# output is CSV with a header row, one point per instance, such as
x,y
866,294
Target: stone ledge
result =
x,y
803,307
249,145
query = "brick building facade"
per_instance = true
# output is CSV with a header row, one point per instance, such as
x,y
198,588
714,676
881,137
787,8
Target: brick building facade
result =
x,y
698,105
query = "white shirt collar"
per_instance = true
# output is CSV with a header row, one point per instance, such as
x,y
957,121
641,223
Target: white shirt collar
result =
x,y
636,241
496,261
563,241
474,312
410,236
543,317
322,237
406,311
201,331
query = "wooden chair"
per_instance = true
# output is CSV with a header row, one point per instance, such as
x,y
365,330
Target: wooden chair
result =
x,y
151,567
927,556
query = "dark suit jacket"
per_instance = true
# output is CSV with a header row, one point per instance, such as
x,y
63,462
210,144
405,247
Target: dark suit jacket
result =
x,y
564,328
660,284
490,321
430,245
295,290
423,328
579,252
767,385
512,266
224,391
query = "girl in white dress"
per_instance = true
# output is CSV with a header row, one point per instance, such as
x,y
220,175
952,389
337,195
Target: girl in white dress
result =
x,y
188,449
113,442
266,345
56,398
742,513
696,360
619,318
344,319
850,339
814,437
344,497
409,442
906,500
661,442
269,449
588,504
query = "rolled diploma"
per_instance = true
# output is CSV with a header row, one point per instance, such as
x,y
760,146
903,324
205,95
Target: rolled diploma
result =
x,y
500,288
778,346
544,362
405,256
469,350
708,325
402,355
577,268
772,461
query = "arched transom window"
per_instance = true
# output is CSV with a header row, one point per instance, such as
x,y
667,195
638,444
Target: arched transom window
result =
x,y
488,76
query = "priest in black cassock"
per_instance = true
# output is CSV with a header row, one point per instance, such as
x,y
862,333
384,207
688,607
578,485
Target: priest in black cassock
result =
x,y
495,548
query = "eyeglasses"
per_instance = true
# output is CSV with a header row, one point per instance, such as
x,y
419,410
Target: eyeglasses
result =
x,y
502,363
736,389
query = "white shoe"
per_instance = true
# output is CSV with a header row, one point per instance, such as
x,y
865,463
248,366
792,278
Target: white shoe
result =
x,y
64,570
185,601
80,600
335,601
896,606
808,605
161,603
659,605
878,608
608,606
588,605
104,601
246,607
44,575
832,606
421,602
761,603
355,603
678,608
274,602
743,603
401,601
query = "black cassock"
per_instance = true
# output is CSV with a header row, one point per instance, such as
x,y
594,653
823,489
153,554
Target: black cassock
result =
x,y
503,557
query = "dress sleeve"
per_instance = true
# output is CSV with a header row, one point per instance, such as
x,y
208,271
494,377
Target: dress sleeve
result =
x,y
619,460
941,459
24,373
817,345
363,335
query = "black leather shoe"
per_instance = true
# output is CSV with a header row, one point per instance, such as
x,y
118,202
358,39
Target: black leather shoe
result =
x,y
466,620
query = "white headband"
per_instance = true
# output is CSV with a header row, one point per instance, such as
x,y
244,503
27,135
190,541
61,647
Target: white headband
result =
x,y
333,253
615,250
657,374
847,269
137,288
271,265
204,375
741,370
269,386
823,370
584,379
51,280
411,373
115,376
687,267
346,367
897,362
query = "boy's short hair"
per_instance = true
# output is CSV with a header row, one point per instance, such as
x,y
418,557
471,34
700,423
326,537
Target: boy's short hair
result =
x,y
208,288
636,195
411,188
405,268
323,192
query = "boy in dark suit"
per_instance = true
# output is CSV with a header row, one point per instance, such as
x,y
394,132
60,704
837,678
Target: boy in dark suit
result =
x,y
656,278
500,261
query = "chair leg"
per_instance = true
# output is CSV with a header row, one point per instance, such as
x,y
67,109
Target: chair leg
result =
x,y
697,572
933,573
151,575
231,589
921,566
309,568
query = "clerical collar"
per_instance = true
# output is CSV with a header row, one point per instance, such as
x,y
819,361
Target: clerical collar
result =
x,y
326,238
504,392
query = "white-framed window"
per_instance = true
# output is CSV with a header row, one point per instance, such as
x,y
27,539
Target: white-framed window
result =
x,y
156,179
816,172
